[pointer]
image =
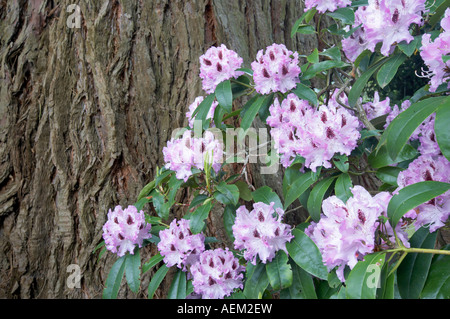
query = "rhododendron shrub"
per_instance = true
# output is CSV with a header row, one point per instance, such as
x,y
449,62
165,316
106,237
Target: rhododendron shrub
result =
x,y
365,178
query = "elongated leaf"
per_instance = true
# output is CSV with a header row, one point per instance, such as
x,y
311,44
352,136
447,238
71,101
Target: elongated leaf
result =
x,y
264,112
197,200
410,48
224,95
177,289
156,259
305,93
227,194
157,278
197,220
363,279
307,16
244,191
315,199
146,190
437,285
412,196
266,195
251,112
389,69
229,216
257,281
402,127
133,270
298,187
439,13
360,83
389,174
342,187
442,128
202,110
381,158
316,68
279,271
341,162
114,279
346,15
306,254
412,272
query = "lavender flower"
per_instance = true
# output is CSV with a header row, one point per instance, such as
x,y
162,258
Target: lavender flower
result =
x,y
124,229
260,232
326,5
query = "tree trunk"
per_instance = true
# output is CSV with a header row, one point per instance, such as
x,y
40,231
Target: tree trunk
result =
x,y
88,99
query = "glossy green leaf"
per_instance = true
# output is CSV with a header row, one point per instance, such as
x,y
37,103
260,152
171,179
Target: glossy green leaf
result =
x,y
401,128
177,289
442,128
346,15
316,196
156,280
341,162
316,68
256,282
307,16
360,83
381,158
440,10
201,112
342,187
279,271
266,195
410,48
156,259
389,69
306,254
412,196
244,191
251,111
227,194
197,200
146,190
229,216
389,174
264,112
302,284
437,285
363,280
297,188
305,93
314,56
114,279
412,272
224,95
133,270
197,220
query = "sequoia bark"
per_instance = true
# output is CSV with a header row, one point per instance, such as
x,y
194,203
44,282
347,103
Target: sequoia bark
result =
x,y
85,112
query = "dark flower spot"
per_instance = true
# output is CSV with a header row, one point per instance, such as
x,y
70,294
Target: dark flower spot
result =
x,y
271,55
121,236
292,106
361,216
219,67
260,217
211,281
330,133
284,70
207,62
395,16
256,234
266,74
130,220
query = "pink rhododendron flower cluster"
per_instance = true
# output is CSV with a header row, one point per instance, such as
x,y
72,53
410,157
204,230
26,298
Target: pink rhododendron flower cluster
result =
x,y
260,232
432,52
193,107
124,229
326,5
428,168
217,274
315,134
383,21
346,231
217,65
187,152
179,246
276,70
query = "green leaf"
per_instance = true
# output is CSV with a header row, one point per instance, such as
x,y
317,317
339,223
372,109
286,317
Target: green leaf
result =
x,y
306,29
412,272
439,13
360,83
381,158
437,285
224,95
264,112
389,174
244,191
156,259
441,128
229,216
250,112
333,53
177,289
114,279
256,282
197,220
227,194
363,279
266,195
197,200
410,48
133,270
346,15
341,162
314,56
201,112
342,187
389,69
279,271
315,199
307,16
305,93
306,254
298,187
401,128
146,190
412,196
156,280
320,67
